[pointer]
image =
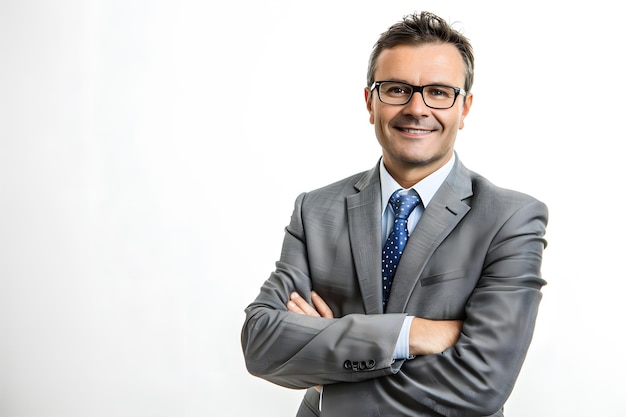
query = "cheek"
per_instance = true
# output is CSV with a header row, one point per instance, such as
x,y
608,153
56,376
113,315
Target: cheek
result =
x,y
452,122
383,115
460,120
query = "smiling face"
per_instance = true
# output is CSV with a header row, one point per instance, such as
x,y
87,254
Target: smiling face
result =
x,y
415,139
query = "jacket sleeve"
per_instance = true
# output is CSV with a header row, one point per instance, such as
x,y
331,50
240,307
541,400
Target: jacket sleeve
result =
x,y
299,351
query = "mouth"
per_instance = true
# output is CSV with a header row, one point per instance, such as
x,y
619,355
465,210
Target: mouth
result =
x,y
414,131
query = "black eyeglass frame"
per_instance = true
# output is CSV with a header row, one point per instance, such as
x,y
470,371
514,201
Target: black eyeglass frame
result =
x,y
420,89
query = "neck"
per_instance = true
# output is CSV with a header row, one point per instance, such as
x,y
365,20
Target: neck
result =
x,y
407,175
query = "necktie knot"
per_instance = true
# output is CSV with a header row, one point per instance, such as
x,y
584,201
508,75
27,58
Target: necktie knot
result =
x,y
403,203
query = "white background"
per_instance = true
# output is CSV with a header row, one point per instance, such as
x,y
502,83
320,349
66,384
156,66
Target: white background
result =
x,y
128,128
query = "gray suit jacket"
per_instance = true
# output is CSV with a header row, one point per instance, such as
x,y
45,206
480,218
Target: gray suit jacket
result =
x,y
475,255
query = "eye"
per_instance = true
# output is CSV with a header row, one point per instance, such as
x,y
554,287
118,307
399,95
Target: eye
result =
x,y
396,89
439,92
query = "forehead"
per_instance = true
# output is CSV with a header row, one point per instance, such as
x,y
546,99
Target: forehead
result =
x,y
423,64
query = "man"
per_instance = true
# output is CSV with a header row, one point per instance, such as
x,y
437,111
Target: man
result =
x,y
445,331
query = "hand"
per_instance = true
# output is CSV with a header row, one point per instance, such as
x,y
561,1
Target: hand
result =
x,y
433,336
299,305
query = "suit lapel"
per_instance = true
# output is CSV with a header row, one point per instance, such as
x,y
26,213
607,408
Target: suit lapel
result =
x,y
441,216
364,217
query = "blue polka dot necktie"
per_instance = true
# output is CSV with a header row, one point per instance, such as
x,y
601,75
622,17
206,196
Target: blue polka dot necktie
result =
x,y
403,205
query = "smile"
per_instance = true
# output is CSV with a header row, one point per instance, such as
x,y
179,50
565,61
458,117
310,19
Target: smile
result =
x,y
415,131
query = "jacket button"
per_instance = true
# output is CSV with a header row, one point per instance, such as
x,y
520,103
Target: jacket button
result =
x,y
359,366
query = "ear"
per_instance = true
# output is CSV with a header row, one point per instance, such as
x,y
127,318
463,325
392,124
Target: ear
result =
x,y
368,102
466,108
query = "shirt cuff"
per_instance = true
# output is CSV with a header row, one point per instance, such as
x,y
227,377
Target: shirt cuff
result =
x,y
402,345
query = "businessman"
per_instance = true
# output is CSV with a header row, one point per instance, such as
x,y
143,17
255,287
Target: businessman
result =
x,y
411,289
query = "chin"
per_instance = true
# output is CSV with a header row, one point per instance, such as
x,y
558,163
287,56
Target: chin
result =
x,y
424,159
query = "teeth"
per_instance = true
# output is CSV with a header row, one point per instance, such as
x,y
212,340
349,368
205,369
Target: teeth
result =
x,y
416,131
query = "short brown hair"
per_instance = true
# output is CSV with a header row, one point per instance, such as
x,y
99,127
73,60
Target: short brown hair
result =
x,y
419,29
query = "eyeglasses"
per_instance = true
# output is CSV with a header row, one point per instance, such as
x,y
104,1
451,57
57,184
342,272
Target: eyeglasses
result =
x,y
435,96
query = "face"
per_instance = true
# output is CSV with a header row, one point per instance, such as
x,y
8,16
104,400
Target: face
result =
x,y
415,139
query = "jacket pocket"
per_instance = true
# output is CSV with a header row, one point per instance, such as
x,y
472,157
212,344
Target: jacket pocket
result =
x,y
443,277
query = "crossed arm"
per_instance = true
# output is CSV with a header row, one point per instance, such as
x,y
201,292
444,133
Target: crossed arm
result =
x,y
426,336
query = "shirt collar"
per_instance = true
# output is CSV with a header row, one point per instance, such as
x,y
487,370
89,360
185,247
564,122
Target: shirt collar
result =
x,y
426,188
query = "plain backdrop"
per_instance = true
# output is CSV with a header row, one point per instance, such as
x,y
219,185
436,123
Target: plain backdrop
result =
x,y
151,152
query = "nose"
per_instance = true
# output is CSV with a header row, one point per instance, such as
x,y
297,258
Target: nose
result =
x,y
416,105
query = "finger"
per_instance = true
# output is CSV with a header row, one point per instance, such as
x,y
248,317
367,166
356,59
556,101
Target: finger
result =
x,y
293,307
294,303
320,305
302,305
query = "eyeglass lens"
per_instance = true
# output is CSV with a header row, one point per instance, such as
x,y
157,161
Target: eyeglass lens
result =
x,y
435,96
